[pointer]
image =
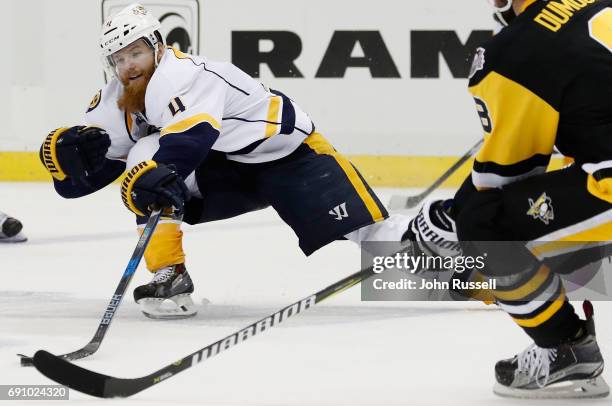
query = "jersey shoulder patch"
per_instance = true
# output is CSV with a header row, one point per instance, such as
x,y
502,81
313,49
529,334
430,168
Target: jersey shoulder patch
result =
x,y
95,101
478,62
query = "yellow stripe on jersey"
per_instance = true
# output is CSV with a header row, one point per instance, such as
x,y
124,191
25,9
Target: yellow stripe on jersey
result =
x,y
190,122
545,315
522,124
600,27
273,110
527,288
179,54
602,232
557,248
322,147
579,240
601,189
526,4
129,122
591,232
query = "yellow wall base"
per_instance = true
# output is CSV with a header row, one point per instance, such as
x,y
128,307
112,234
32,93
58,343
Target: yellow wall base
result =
x,y
22,167
417,171
379,171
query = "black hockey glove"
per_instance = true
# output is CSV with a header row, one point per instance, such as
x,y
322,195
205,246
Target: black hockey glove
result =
x,y
75,151
149,185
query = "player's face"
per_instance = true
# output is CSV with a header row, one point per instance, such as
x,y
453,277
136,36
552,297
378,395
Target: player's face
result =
x,y
132,62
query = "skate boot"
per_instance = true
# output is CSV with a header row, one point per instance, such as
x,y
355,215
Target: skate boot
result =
x,y
10,229
173,284
571,370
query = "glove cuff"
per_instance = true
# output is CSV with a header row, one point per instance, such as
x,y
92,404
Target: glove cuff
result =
x,y
48,154
128,184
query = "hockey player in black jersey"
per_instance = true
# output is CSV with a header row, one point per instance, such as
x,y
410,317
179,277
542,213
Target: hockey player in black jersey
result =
x,y
543,81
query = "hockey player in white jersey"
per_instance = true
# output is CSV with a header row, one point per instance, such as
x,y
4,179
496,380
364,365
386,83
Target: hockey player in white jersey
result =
x,y
207,140
10,229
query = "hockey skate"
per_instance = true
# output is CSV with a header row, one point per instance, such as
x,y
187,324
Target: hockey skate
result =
x,y
168,284
10,230
571,370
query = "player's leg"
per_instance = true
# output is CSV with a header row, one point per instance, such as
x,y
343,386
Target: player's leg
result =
x,y
219,189
10,229
321,196
164,255
528,289
226,189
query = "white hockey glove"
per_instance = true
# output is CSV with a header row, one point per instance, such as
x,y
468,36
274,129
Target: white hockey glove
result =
x,y
434,231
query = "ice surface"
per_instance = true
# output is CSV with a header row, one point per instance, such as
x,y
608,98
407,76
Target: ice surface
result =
x,y
343,352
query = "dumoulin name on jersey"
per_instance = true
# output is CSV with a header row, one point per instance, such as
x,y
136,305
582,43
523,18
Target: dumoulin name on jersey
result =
x,y
539,85
198,105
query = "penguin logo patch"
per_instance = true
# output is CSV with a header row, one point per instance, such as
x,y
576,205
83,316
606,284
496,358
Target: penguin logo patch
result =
x,y
95,101
478,62
541,209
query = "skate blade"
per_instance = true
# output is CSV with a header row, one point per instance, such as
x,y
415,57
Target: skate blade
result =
x,y
580,388
183,308
14,239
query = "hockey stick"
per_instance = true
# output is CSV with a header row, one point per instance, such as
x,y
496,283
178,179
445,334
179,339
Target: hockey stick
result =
x,y
115,301
399,202
105,386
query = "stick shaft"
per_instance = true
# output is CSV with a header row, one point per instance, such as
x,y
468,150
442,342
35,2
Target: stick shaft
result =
x,y
409,202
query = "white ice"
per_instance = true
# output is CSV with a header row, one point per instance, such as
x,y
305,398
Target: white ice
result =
x,y
342,352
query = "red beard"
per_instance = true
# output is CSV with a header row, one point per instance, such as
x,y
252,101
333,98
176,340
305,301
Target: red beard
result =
x,y
133,98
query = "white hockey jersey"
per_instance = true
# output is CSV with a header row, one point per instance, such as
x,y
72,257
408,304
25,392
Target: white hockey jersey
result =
x,y
254,124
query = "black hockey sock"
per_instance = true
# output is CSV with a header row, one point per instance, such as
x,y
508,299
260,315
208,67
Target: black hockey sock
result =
x,y
563,326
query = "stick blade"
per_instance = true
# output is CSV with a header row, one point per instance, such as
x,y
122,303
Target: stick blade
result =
x,y
86,381
70,375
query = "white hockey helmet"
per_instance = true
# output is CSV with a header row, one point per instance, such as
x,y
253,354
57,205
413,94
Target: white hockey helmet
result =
x,y
503,11
127,26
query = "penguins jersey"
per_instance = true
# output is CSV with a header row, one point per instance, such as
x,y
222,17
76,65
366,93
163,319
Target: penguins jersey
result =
x,y
197,105
541,82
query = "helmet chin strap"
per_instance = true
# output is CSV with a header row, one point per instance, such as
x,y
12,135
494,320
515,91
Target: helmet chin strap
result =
x,y
155,45
156,55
